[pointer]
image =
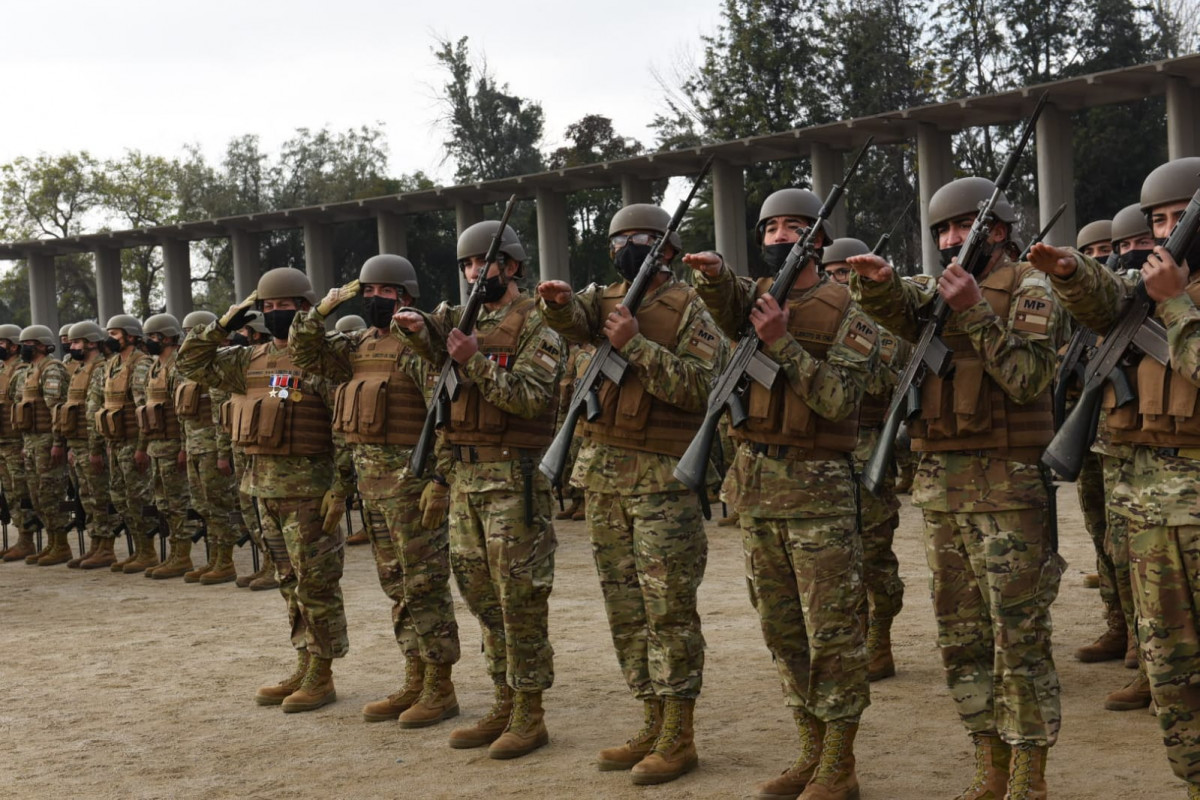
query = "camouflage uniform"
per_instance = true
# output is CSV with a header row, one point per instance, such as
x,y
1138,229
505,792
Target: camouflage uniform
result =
x,y
413,563
646,527
504,568
213,493
93,486
1156,495
289,489
128,486
170,483
796,506
12,463
987,535
47,483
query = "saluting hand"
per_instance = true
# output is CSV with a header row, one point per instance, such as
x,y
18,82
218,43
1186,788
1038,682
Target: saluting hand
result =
x,y
1052,260
708,262
410,321
769,319
1163,277
620,326
556,293
871,267
336,296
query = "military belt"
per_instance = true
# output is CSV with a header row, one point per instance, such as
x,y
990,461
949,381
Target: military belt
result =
x,y
472,454
1192,453
793,453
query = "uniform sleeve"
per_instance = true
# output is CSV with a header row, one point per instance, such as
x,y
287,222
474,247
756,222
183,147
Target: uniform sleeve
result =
x,y
204,360
95,402
681,377
894,354
430,343
527,388
728,298
217,398
1094,295
1182,319
54,390
314,350
578,321
137,388
897,303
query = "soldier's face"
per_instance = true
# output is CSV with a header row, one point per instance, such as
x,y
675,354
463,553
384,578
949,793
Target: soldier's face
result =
x,y
784,230
283,304
380,290
953,233
471,267
839,271
1143,242
1099,250
1164,218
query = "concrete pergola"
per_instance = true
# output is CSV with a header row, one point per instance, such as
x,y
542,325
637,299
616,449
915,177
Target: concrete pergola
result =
x,y
930,126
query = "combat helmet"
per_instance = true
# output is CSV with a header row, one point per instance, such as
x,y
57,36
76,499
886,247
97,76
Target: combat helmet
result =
x,y
1128,223
195,319
40,334
393,270
11,332
965,196
64,330
125,322
1172,182
1094,233
476,240
283,283
790,203
841,249
352,322
87,330
644,217
164,324
254,321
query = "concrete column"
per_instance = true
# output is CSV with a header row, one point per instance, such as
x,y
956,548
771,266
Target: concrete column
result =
x,y
1056,174
318,256
246,262
635,190
1181,118
828,166
729,213
43,293
393,233
109,301
935,168
465,215
554,246
177,277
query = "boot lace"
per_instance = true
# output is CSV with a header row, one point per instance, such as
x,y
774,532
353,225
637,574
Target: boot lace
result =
x,y
672,727
1020,776
829,768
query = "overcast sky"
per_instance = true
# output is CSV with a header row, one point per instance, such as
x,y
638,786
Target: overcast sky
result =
x,y
152,76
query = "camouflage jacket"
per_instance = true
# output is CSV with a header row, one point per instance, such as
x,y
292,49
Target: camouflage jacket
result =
x,y
96,444
158,448
13,365
137,383
54,388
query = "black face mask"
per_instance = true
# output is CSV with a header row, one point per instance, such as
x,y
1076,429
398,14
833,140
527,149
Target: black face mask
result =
x,y
28,351
629,259
279,322
1132,259
494,287
774,256
378,311
114,345
153,348
239,340
78,355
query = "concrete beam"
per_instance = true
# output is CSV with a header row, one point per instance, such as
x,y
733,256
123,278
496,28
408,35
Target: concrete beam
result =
x,y
318,256
1182,137
635,190
247,259
1056,174
465,215
43,292
109,298
729,213
935,168
828,166
393,233
554,245
177,276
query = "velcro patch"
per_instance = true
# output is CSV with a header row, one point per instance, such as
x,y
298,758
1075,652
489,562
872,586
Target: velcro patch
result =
x,y
1033,315
703,343
861,337
547,356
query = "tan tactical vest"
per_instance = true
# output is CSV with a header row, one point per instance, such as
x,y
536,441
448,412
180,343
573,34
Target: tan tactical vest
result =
x,y
1165,413
380,404
157,418
970,411
7,399
874,406
31,414
632,417
118,419
69,419
475,421
192,401
779,415
281,413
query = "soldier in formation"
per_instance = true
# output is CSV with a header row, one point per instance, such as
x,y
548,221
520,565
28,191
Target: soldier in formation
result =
x,y
12,462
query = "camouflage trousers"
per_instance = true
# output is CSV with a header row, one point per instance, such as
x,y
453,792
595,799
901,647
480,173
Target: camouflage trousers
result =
x,y
129,488
413,563
805,580
170,487
47,483
245,502
214,496
308,564
93,490
505,572
12,481
993,580
1092,501
1117,544
650,552
881,570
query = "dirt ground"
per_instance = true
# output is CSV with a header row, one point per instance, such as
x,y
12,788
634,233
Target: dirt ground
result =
x,y
121,687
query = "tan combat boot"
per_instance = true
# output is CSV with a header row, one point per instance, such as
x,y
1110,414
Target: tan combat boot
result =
x,y
1134,695
143,558
834,778
193,575
274,695
491,726
223,569
76,562
119,564
991,768
569,511
1027,773
730,520
397,703
879,650
526,730
103,557
178,563
59,552
33,558
1131,655
22,549
639,745
1110,646
315,690
267,580
674,752
789,784
436,701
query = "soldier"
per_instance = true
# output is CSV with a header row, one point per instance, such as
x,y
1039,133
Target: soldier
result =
x,y
352,323
879,516
76,423
210,478
381,406
1158,494
40,390
988,533
124,390
12,463
646,527
281,415
792,485
501,538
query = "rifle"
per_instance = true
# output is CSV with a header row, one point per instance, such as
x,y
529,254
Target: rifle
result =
x,y
5,516
74,504
1134,329
607,364
1079,351
884,240
747,363
200,531
1043,232
930,353
445,391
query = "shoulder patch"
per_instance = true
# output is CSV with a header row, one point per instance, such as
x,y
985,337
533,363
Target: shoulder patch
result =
x,y
862,336
547,356
703,343
1033,314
